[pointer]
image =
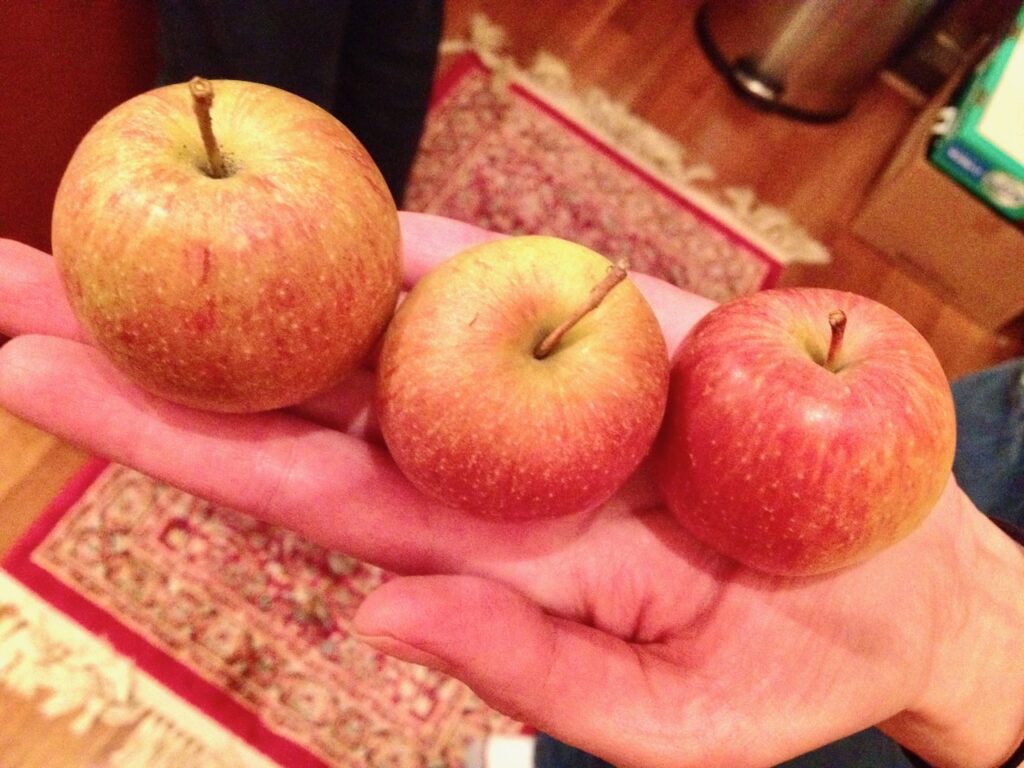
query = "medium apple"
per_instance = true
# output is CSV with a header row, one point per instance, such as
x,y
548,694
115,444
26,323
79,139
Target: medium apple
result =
x,y
806,430
522,378
239,260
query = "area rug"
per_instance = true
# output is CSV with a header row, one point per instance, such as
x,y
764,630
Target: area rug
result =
x,y
226,641
211,639
524,151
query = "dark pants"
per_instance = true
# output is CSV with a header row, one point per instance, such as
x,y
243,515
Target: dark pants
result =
x,y
989,466
369,62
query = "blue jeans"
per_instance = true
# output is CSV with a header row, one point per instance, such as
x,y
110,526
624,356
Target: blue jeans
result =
x,y
989,461
989,466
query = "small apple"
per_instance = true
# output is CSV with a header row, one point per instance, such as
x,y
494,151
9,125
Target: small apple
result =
x,y
525,377
239,272
806,430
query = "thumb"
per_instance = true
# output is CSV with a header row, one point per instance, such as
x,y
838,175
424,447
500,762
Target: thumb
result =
x,y
570,680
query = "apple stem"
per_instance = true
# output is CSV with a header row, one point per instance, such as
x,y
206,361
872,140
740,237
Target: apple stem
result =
x,y
616,274
202,99
837,321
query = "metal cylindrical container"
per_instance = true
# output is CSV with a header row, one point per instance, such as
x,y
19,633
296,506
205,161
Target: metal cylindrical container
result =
x,y
809,59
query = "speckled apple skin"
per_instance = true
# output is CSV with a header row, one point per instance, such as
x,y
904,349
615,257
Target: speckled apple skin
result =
x,y
239,294
791,468
476,421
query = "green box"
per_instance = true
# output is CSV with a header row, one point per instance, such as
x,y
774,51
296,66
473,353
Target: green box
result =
x,y
984,148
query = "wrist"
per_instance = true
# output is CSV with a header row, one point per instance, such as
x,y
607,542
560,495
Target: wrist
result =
x,y
969,712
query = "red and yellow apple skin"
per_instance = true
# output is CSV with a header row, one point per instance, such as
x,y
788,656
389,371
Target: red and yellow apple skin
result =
x,y
243,293
476,421
789,467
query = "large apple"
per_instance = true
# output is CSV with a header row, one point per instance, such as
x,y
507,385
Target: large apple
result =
x,y
484,403
806,430
239,267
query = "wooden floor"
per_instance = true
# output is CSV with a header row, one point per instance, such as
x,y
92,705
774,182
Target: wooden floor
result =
x,y
644,53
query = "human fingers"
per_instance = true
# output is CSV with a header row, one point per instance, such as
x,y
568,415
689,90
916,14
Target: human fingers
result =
x,y
677,310
333,488
584,685
32,298
427,240
347,407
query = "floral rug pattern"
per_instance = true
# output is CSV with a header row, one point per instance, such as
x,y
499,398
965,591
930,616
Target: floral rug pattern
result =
x,y
263,614
507,161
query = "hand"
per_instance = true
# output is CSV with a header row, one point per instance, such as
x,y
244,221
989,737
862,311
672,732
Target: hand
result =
x,y
614,631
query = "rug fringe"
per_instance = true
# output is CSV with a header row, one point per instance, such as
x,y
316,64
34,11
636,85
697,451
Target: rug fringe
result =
x,y
767,226
44,654
158,743
90,679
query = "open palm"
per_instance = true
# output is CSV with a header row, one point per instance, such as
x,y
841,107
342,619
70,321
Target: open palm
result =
x,y
613,630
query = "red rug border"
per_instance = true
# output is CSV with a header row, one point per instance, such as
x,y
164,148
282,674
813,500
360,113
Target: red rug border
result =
x,y
71,492
471,62
168,671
